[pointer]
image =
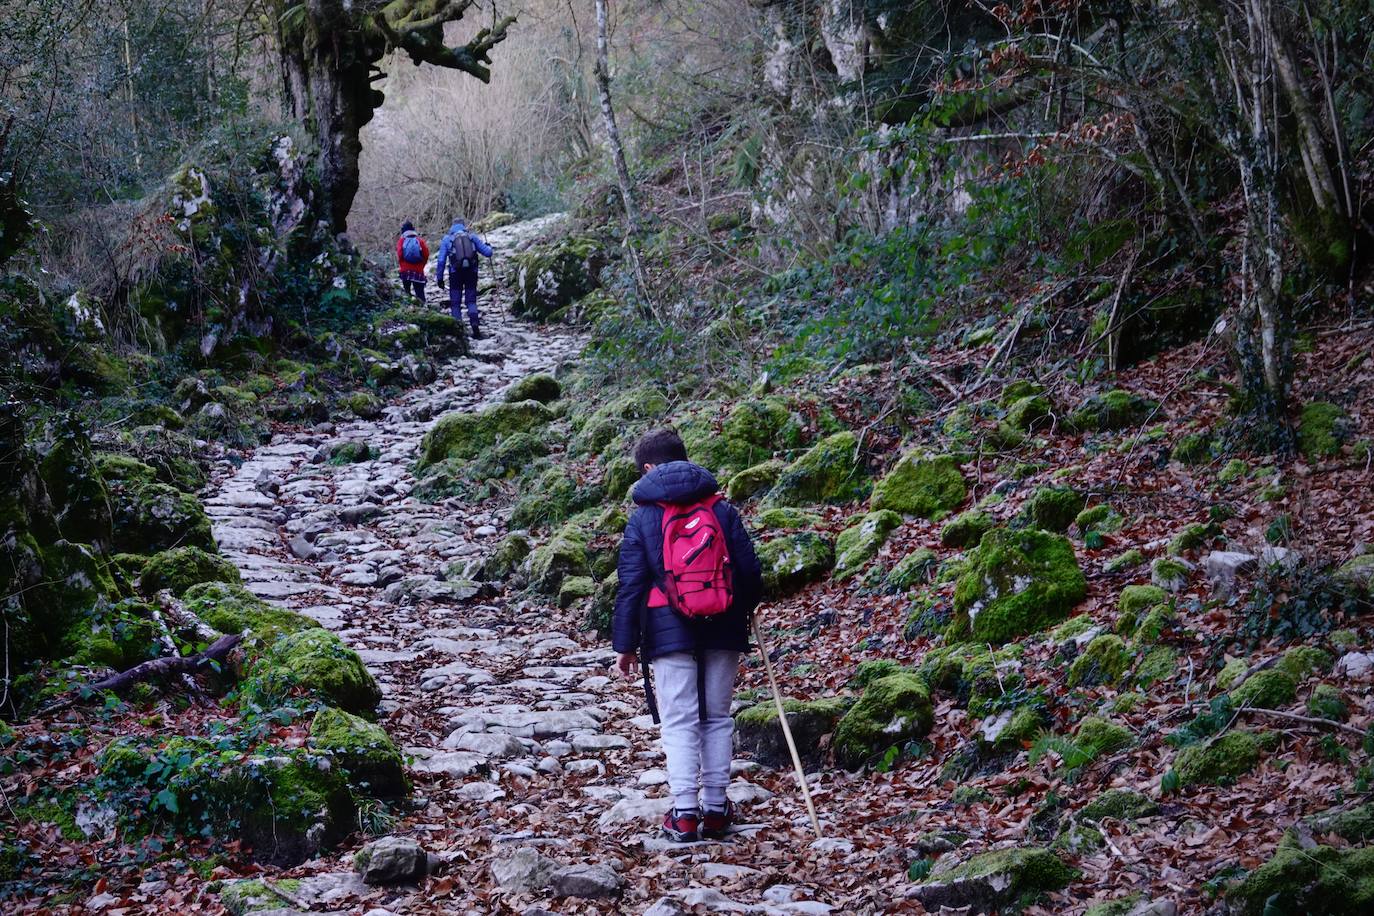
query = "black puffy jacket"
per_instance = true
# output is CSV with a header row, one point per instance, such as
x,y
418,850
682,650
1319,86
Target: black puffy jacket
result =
x,y
655,631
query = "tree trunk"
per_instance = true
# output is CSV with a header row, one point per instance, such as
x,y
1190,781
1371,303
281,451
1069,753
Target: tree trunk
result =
x,y
603,90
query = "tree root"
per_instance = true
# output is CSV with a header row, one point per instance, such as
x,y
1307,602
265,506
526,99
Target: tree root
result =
x,y
217,652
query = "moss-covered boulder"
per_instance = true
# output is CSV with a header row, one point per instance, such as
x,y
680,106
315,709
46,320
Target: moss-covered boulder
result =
x,y
754,480
860,543
363,404
362,749
554,497
913,569
541,387
1170,573
233,609
150,517
829,471
80,505
551,277
1316,881
611,421
1054,508
757,730
1097,736
1134,601
621,474
793,561
765,423
966,529
1104,661
1119,804
1322,428
782,519
1101,518
1029,412
926,487
1271,688
892,711
990,881
1357,574
1193,449
1113,410
313,662
1014,583
1354,825
574,589
466,435
117,636
182,567
562,556
505,559
61,584
1221,760
1301,662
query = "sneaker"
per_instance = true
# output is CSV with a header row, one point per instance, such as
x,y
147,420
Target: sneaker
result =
x,y
716,824
682,826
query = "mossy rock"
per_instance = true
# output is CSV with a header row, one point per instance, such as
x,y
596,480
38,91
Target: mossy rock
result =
x,y
1030,412
766,423
892,711
989,881
1097,736
316,663
1122,906
1101,518
1301,662
621,474
612,419
541,387
364,751
1191,537
1354,825
1169,574
966,529
1105,660
1320,881
1322,428
860,543
612,520
1112,410
1221,760
80,502
466,435
787,518
562,556
828,472
1193,449
1160,663
1232,471
550,277
1015,583
913,569
758,732
349,451
793,561
1231,673
1120,805
124,468
505,559
117,636
1133,600
555,497
926,487
1357,574
363,404
1077,840
1024,723
182,567
1071,629
1271,688
752,481
150,517
574,589
1129,559
62,584
231,608
1327,702
1054,508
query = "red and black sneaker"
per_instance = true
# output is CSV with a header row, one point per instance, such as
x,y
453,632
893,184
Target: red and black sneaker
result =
x,y
682,826
716,824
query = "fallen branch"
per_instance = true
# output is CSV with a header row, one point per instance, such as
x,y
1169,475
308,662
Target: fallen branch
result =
x,y
217,652
1310,720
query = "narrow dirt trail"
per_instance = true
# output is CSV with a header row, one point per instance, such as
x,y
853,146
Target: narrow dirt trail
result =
x,y
518,740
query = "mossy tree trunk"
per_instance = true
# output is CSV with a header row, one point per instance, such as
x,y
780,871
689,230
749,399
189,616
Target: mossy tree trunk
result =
x,y
330,51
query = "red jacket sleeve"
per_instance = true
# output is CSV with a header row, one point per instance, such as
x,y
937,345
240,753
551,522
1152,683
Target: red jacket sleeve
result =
x,y
400,243
424,251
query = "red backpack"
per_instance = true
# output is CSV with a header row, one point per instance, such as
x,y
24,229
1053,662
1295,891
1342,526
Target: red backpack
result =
x,y
696,561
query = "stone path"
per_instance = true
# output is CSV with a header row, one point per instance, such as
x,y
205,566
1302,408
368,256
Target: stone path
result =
x,y
501,714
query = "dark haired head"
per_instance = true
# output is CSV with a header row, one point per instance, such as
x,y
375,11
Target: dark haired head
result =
x,y
407,226
659,446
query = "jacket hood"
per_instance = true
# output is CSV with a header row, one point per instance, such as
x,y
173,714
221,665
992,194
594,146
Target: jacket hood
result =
x,y
677,482
458,226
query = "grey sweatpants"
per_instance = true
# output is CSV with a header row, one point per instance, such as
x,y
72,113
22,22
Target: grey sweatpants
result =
x,y
698,751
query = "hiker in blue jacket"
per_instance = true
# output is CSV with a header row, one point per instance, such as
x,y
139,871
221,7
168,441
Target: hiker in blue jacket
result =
x,y
459,251
695,660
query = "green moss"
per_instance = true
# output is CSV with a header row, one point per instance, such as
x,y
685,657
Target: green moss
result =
x,y
1016,582
551,276
553,498
1232,471
1231,673
506,558
754,480
1194,448
828,472
149,517
860,543
1357,574
1071,628
1123,906
912,569
627,411
314,662
1326,702
1028,870
1078,840
1124,561
788,518
1168,574
540,387
233,609
1029,412
869,671
1026,722
892,711
1268,689
1321,881
793,561
1191,538
1101,517
182,567
621,474
362,749
1104,661
1098,736
116,467
466,435
759,733
363,404
1113,410
1160,663
1221,760
1054,508
1321,430
1133,600
1301,662
926,487
1120,805
966,529
562,555
349,451
574,589
767,424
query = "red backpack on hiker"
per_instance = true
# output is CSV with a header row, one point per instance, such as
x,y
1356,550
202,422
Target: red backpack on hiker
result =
x,y
697,580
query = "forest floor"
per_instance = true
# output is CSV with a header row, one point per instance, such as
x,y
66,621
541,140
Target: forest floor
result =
x,y
521,742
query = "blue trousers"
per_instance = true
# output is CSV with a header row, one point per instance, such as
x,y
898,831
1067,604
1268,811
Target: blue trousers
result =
x,y
462,289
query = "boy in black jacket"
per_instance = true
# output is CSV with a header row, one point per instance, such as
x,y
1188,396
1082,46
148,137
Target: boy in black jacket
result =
x,y
695,660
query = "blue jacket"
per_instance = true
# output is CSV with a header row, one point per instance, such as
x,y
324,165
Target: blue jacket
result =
x,y
446,246
658,631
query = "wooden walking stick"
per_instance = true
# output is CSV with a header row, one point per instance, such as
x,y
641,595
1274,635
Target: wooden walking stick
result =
x,y
787,729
